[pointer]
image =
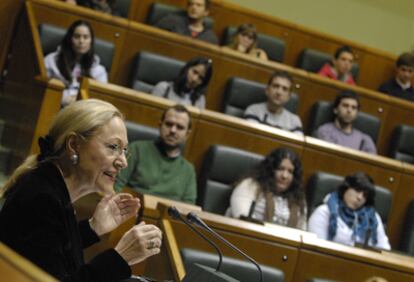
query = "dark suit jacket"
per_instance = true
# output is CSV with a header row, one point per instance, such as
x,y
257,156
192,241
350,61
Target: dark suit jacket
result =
x,y
38,221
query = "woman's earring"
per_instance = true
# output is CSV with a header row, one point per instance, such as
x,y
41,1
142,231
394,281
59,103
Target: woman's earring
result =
x,y
74,159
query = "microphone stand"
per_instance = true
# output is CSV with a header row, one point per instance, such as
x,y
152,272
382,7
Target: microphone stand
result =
x,y
193,218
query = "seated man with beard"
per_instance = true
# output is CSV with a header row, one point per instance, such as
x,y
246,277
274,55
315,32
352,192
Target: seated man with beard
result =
x,y
157,167
341,130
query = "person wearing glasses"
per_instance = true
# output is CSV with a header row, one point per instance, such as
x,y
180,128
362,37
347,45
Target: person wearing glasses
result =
x,y
82,153
158,167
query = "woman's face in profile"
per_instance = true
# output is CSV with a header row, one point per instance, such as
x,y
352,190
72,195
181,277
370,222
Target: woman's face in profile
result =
x,y
81,40
354,199
195,76
284,175
102,157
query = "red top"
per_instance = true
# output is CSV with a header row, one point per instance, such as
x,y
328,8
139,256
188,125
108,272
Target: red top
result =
x,y
328,71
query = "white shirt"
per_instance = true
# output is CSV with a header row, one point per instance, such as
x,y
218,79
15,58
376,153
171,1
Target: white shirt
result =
x,y
245,193
319,222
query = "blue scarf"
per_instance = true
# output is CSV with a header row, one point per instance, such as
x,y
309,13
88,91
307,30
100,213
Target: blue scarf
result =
x,y
360,221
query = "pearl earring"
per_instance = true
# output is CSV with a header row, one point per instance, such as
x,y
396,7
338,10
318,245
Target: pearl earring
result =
x,y
74,159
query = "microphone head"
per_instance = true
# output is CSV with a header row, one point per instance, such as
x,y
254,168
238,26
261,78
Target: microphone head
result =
x,y
192,217
174,213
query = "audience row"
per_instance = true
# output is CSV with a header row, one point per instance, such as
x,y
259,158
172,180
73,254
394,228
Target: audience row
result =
x,y
272,191
75,58
193,23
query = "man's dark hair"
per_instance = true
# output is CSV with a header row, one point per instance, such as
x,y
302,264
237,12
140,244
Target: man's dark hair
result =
x,y
405,59
179,109
359,181
206,3
281,74
343,49
345,95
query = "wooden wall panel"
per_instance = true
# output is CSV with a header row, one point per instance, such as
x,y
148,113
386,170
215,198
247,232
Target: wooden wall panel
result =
x,y
319,265
9,15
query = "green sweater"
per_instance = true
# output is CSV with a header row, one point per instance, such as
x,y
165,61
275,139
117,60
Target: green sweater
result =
x,y
151,172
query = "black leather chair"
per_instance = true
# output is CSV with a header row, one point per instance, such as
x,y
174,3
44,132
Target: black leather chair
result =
x,y
244,271
157,11
273,46
407,238
321,183
241,93
51,36
122,7
322,112
149,69
136,132
313,60
402,144
222,167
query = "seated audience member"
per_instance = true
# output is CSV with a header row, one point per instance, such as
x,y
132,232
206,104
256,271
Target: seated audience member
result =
x,y
400,86
348,216
340,66
82,153
105,6
157,167
245,41
192,24
272,112
272,192
75,57
341,131
191,84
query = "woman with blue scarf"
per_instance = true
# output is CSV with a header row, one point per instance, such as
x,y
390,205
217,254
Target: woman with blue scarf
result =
x,y
348,216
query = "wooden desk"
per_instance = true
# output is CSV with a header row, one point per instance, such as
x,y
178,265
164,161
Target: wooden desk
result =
x,y
323,259
14,267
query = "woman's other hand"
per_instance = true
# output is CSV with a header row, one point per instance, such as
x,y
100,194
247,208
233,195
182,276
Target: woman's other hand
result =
x,y
140,242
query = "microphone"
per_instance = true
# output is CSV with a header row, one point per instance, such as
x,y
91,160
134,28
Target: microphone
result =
x,y
174,213
367,237
193,218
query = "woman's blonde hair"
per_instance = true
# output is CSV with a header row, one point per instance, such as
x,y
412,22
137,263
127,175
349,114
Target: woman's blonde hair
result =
x,y
246,28
83,118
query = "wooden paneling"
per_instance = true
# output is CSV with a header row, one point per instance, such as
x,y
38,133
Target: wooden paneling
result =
x,y
9,14
402,198
319,265
14,267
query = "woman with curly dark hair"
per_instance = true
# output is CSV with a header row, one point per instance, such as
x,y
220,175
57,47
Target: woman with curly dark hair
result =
x,y
272,191
190,85
75,57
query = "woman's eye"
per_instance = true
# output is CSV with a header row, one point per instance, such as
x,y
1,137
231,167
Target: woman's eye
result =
x,y
113,147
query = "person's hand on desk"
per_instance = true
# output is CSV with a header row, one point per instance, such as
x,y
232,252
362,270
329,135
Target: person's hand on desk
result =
x,y
140,242
112,211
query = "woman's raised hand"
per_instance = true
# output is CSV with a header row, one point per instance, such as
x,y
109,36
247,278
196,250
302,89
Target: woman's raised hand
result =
x,y
112,211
